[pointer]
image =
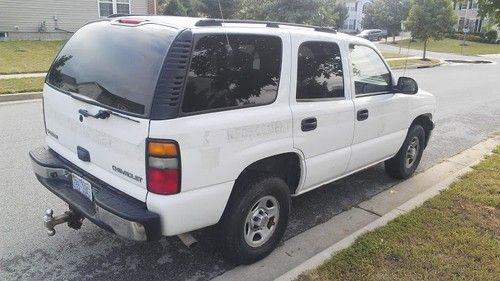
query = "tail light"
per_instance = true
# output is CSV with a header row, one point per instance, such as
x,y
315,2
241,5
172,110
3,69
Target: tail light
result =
x,y
163,167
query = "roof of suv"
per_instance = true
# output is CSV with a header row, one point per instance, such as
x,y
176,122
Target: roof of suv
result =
x,y
200,23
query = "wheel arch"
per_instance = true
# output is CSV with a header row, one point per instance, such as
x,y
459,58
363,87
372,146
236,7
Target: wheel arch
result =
x,y
288,166
425,120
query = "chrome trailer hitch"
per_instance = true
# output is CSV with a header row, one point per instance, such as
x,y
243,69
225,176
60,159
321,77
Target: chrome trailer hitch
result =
x,y
73,219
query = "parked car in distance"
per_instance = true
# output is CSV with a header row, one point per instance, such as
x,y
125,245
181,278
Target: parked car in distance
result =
x,y
372,34
158,126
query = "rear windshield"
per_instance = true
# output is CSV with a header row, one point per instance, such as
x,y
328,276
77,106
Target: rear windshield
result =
x,y
114,65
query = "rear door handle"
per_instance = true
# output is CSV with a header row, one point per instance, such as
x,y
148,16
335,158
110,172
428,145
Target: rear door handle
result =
x,y
362,114
309,124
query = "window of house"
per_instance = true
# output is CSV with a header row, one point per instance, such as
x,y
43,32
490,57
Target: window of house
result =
x,y
245,73
461,23
463,5
352,23
319,71
109,7
370,74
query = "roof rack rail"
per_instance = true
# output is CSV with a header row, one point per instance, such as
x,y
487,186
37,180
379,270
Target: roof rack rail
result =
x,y
125,15
219,22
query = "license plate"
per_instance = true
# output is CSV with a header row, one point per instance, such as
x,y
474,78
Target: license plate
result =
x,y
82,186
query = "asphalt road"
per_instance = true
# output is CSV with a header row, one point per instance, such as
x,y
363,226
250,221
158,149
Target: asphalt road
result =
x,y
468,98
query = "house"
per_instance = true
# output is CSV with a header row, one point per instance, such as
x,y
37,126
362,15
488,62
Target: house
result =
x,y
468,16
58,19
356,8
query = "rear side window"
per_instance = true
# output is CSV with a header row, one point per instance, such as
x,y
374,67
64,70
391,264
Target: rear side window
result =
x,y
113,65
245,73
319,71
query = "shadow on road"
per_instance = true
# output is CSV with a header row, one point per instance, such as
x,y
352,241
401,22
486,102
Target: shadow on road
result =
x,y
113,258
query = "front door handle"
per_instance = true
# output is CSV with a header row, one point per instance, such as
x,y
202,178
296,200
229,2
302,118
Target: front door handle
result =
x,y
362,114
309,124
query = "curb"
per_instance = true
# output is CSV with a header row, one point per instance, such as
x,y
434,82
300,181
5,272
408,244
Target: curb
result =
x,y
406,207
441,61
22,75
470,61
20,96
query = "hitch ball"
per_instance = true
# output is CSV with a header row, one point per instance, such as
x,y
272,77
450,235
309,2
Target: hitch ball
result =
x,y
73,219
47,219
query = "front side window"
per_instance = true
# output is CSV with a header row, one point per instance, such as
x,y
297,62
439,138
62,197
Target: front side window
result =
x,y
319,71
370,74
230,71
109,7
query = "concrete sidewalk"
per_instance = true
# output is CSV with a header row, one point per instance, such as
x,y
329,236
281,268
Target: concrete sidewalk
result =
x,y
23,75
311,248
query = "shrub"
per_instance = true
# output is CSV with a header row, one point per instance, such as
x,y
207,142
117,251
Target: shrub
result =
x,y
491,36
475,37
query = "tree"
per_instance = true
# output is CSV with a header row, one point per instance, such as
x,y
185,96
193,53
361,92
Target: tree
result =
x,y
342,14
370,19
254,9
174,8
490,9
430,19
210,8
386,14
317,12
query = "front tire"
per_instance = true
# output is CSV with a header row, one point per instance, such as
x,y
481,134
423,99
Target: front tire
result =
x,y
255,219
405,162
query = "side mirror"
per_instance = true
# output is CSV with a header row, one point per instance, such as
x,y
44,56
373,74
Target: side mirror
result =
x,y
406,85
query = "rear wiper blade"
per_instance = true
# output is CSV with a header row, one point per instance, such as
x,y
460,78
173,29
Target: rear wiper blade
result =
x,y
104,114
101,114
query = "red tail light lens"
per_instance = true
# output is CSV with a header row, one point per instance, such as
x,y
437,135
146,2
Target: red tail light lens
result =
x,y
162,181
163,167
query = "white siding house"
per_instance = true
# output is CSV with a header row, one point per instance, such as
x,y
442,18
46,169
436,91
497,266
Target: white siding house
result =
x,y
353,23
58,19
468,16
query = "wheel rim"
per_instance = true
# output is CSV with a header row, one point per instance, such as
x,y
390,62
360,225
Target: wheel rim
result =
x,y
412,152
261,221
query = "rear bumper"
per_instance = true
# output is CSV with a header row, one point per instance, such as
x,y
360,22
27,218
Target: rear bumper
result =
x,y
110,208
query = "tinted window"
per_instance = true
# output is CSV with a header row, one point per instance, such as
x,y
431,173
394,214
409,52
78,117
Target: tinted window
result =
x,y
370,74
116,66
319,71
245,73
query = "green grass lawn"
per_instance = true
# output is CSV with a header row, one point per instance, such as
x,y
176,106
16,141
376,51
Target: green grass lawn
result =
x,y
27,56
392,55
410,62
454,236
453,46
21,85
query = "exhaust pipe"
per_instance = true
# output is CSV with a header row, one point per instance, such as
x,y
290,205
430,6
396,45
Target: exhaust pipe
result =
x,y
188,239
73,219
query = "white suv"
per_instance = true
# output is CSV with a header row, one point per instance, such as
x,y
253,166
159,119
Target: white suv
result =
x,y
157,126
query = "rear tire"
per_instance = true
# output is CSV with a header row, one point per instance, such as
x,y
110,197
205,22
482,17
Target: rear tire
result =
x,y
255,219
405,162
